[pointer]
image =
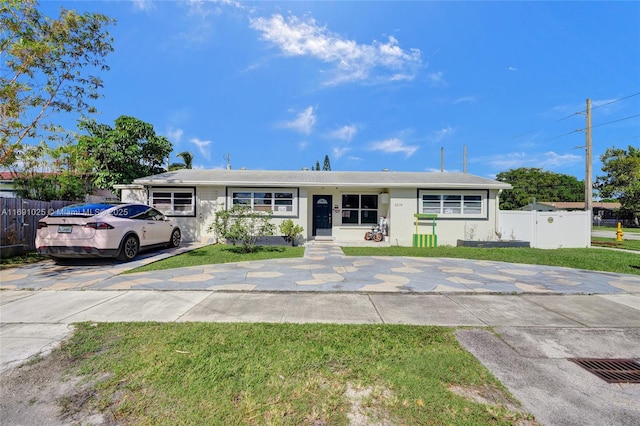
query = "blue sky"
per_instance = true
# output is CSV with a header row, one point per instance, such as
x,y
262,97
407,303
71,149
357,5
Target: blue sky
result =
x,y
279,85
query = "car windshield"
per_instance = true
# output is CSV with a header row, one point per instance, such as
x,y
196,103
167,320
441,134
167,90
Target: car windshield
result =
x,y
82,210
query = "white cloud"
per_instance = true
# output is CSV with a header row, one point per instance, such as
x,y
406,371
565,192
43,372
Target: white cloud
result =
x,y
440,135
393,146
199,22
174,135
303,123
512,69
351,61
437,79
339,152
201,8
465,99
202,147
143,5
345,133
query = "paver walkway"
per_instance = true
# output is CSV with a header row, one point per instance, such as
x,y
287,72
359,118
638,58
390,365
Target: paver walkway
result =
x,y
325,268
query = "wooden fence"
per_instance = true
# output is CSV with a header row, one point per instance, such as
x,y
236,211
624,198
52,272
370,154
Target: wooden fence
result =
x,y
19,219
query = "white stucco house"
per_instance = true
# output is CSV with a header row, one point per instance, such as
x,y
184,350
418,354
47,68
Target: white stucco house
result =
x,y
335,205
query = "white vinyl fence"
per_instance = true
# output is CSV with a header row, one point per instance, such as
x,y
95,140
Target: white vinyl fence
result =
x,y
547,230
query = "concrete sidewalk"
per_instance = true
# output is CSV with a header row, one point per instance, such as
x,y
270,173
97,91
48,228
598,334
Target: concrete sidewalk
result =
x,y
539,316
532,337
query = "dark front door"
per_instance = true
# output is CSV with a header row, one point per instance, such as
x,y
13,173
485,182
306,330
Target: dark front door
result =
x,y
322,215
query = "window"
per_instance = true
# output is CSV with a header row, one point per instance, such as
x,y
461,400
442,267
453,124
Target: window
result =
x,y
174,202
359,209
279,202
461,204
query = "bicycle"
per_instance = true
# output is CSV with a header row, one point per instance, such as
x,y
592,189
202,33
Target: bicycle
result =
x,y
375,234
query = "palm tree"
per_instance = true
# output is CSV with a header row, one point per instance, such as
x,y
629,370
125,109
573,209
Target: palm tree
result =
x,y
187,157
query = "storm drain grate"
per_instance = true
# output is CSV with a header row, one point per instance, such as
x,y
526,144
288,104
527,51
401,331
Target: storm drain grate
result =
x,y
611,370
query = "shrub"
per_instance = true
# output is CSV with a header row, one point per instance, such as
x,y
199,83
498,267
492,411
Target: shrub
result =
x,y
242,225
290,231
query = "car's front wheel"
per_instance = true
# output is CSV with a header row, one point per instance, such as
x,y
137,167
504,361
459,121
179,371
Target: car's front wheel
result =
x,y
130,248
176,236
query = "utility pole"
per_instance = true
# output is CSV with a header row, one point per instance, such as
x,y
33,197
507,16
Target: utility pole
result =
x,y
588,180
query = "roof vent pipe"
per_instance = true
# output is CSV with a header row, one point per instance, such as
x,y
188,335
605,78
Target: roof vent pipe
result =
x,y
442,159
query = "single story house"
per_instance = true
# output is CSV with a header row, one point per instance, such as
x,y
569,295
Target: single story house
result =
x,y
7,186
603,212
341,206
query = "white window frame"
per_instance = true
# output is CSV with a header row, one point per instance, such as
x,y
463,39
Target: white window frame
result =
x,y
359,209
173,209
446,204
274,206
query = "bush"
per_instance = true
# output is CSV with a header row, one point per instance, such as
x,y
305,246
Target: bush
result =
x,y
290,231
242,225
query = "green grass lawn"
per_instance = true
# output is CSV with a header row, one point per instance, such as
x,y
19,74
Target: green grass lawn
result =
x,y
612,243
221,253
285,374
614,228
579,258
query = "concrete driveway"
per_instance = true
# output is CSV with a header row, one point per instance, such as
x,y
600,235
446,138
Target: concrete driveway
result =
x,y
325,268
50,275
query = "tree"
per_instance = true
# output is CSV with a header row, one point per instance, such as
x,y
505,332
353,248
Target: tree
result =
x,y
126,152
530,183
241,224
187,163
327,164
622,179
317,169
53,173
46,70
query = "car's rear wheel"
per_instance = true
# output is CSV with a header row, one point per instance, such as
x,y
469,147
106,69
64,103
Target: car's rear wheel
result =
x,y
129,249
176,236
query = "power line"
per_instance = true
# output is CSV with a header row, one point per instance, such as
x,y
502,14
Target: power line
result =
x,y
614,121
616,100
597,125
598,106
574,114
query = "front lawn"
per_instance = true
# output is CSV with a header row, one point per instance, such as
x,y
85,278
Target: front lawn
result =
x,y
221,253
592,259
285,374
612,243
578,258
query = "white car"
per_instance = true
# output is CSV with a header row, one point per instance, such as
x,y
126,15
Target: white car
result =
x,y
105,230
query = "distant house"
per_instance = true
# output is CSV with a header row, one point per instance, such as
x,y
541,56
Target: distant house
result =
x,y
7,186
540,207
571,206
603,212
340,206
